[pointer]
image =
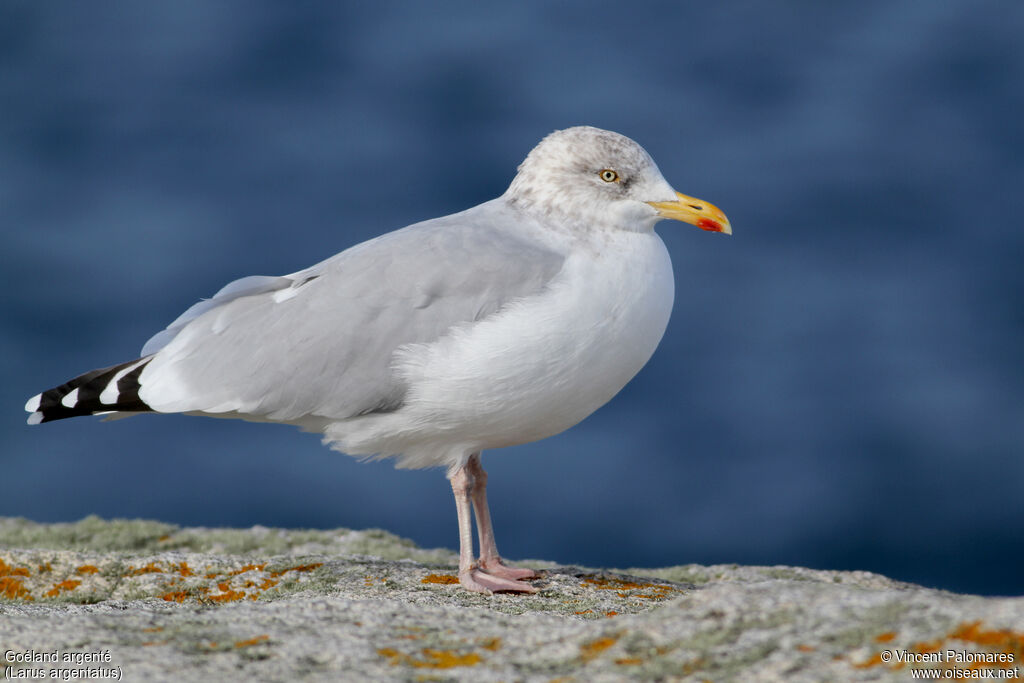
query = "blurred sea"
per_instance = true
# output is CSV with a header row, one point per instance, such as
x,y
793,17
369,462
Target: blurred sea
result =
x,y
841,385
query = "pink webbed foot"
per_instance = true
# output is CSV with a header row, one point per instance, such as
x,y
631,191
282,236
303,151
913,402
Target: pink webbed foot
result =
x,y
479,581
496,568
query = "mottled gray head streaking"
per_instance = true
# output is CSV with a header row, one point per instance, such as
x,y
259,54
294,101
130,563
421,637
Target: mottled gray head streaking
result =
x,y
563,180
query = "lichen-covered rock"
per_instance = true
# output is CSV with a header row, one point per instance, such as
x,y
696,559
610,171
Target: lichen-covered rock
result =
x,y
159,602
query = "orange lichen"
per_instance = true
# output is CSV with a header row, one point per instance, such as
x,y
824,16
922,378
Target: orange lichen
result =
x,y
805,648
492,644
8,570
44,568
431,659
629,661
933,646
439,578
176,596
443,659
875,660
228,593
12,588
611,614
228,596
63,586
252,641
601,583
655,591
242,570
172,578
593,648
153,629
1001,641
586,611
300,568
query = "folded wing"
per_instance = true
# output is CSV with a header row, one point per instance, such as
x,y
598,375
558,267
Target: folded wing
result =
x,y
319,343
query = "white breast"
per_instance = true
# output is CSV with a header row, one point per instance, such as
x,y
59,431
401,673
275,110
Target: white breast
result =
x,y
538,367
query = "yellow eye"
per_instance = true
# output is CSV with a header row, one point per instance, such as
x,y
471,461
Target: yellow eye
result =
x,y
609,176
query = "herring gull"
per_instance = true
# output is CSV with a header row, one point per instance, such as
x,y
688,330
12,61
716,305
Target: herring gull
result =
x,y
500,325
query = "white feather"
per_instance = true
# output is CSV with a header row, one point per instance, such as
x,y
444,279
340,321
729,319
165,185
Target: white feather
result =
x,y
70,399
110,392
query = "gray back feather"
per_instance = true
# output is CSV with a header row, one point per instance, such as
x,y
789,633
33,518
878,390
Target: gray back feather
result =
x,y
320,342
246,286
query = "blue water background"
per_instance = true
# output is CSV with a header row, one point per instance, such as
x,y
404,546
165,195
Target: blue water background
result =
x,y
841,385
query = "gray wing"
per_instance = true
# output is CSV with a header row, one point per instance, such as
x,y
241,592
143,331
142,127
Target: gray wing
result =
x,y
320,342
246,286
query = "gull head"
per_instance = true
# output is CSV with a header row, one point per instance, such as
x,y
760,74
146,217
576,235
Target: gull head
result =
x,y
586,178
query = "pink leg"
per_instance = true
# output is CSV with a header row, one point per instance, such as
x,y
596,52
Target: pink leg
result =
x,y
470,576
490,561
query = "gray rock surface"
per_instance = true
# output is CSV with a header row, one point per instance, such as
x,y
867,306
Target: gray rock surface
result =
x,y
154,602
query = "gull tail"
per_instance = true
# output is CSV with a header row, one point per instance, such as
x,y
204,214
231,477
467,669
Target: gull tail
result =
x,y
107,390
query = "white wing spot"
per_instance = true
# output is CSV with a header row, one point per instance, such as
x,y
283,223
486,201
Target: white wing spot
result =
x,y
110,393
285,294
70,399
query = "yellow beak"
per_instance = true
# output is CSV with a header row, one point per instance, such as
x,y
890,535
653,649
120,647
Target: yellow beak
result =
x,y
695,211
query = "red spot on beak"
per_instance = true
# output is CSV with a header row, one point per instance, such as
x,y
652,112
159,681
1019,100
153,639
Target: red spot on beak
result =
x,y
709,225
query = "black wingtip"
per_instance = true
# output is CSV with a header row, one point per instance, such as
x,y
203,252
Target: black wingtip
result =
x,y
118,384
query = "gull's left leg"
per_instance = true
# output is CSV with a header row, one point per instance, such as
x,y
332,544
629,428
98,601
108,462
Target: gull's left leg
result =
x,y
490,561
471,576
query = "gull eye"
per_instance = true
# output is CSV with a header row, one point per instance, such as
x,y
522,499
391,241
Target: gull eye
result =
x,y
609,176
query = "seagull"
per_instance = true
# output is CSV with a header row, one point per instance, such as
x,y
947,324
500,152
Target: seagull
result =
x,y
500,325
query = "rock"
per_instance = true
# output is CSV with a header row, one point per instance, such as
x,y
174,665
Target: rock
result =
x,y
157,602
